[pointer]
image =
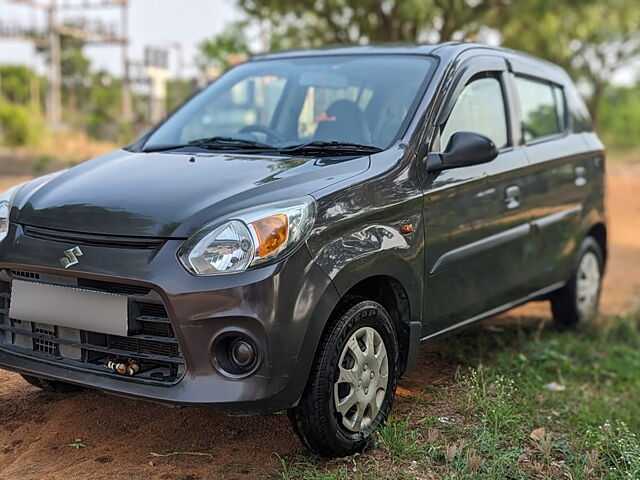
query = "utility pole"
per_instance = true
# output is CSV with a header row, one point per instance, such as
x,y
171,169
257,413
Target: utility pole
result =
x,y
56,29
54,98
127,110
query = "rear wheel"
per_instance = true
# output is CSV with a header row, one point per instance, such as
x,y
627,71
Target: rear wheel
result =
x,y
51,385
352,382
577,302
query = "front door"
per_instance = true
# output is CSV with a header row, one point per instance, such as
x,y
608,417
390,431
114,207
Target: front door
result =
x,y
476,218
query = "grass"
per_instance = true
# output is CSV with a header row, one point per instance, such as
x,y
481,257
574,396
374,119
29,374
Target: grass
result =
x,y
521,404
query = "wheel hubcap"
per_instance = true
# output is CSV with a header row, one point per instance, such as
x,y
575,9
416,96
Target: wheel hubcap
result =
x,y
588,284
362,380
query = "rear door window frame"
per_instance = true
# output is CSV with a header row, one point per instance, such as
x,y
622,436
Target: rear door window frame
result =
x,y
554,86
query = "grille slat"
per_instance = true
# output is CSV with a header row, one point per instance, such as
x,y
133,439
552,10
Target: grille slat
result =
x,y
154,338
117,288
89,346
151,342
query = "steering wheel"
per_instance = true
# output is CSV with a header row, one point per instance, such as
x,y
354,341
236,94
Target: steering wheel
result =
x,y
271,134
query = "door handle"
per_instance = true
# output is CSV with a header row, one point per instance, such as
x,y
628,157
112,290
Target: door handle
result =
x,y
512,197
581,176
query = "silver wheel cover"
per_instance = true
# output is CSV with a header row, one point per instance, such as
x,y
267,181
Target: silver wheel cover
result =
x,y
363,379
588,285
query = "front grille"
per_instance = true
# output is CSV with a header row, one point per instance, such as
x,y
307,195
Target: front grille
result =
x,y
29,275
96,240
45,342
151,342
5,297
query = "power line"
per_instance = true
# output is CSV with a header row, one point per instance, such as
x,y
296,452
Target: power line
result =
x,y
90,31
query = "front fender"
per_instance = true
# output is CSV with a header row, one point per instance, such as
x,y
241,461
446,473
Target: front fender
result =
x,y
381,251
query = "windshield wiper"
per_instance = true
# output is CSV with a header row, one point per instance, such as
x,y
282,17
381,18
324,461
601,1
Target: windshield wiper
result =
x,y
330,147
230,142
216,143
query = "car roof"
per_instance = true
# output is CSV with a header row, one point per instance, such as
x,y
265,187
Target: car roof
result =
x,y
391,49
447,52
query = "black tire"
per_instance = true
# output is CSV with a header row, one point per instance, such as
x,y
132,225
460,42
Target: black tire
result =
x,y
316,420
565,303
52,385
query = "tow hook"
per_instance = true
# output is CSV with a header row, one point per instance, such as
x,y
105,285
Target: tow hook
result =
x,y
124,367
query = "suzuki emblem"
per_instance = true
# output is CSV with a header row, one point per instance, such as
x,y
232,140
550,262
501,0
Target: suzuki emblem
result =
x,y
71,257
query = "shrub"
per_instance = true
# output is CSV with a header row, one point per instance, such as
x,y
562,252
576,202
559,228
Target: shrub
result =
x,y
18,125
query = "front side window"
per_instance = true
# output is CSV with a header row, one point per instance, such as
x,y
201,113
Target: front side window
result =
x,y
480,108
362,99
542,107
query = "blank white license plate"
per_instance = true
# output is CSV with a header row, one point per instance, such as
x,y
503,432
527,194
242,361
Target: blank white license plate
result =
x,y
69,307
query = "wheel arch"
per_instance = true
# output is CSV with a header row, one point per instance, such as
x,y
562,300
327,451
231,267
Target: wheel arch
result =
x,y
599,233
392,294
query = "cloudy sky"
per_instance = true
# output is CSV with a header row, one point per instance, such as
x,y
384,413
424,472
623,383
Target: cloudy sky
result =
x,y
152,22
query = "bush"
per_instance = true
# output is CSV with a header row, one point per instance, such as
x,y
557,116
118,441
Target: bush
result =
x,y
18,125
620,116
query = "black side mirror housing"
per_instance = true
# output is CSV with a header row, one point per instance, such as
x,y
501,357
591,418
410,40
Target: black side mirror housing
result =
x,y
464,149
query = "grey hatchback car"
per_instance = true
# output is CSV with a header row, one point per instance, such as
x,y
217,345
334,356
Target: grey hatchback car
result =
x,y
287,239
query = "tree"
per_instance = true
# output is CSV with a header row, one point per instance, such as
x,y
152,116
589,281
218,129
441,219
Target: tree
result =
x,y
591,39
222,50
310,23
16,83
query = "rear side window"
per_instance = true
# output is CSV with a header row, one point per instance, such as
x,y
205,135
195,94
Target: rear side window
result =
x,y
580,120
543,108
480,108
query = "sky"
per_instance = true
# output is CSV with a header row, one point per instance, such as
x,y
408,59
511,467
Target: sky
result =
x,y
151,22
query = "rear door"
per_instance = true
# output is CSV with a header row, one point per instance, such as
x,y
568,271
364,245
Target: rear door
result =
x,y
558,182
476,217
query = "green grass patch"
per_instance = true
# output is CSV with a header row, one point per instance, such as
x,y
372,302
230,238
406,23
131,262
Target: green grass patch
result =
x,y
525,404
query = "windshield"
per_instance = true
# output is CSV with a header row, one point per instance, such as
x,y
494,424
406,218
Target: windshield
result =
x,y
360,100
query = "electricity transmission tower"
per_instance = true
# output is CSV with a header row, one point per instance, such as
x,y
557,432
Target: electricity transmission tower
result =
x,y
93,32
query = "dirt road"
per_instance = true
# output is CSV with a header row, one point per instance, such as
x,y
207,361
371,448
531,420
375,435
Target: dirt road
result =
x,y
91,435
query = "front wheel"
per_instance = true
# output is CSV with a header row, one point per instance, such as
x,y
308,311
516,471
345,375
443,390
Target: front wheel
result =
x,y
577,302
352,382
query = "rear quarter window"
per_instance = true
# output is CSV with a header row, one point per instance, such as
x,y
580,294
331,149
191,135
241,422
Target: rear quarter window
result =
x,y
580,118
543,108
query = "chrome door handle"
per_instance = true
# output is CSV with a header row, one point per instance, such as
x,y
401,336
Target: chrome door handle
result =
x,y
581,176
512,197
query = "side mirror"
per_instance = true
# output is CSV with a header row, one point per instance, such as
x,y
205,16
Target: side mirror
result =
x,y
464,149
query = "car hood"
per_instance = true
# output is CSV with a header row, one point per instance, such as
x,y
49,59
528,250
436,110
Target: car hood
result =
x,y
169,195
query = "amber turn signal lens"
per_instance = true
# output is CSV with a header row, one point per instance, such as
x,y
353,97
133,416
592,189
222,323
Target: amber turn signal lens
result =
x,y
272,233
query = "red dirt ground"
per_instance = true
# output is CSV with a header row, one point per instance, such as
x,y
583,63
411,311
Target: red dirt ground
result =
x,y
120,436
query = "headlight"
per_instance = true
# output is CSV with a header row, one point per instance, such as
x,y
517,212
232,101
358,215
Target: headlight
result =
x,y
248,238
6,199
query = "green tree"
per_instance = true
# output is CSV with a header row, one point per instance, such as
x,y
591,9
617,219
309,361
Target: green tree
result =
x,y
220,51
103,107
18,124
16,83
178,90
592,39
309,23
75,72
620,116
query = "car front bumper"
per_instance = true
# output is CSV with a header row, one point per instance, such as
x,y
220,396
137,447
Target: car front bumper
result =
x,y
283,307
